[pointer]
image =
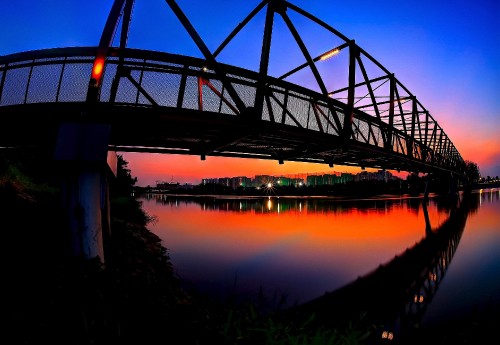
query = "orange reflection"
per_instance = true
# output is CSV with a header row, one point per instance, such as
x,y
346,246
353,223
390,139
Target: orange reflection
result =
x,y
359,240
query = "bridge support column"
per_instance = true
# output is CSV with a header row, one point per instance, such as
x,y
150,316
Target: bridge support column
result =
x,y
85,168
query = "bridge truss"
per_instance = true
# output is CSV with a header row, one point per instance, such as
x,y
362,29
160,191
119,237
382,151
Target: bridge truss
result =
x,y
162,102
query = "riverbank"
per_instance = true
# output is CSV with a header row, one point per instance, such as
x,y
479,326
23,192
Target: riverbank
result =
x,y
135,298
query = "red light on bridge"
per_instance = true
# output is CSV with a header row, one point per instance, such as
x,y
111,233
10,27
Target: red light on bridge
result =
x,y
98,68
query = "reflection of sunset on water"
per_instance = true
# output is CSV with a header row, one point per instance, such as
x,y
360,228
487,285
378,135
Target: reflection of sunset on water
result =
x,y
272,238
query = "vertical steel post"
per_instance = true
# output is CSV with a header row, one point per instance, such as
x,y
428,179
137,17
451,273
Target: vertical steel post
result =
x,y
349,112
60,79
413,121
264,60
182,87
28,83
392,100
200,93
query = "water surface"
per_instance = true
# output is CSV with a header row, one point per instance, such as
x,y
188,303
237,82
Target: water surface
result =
x,y
302,248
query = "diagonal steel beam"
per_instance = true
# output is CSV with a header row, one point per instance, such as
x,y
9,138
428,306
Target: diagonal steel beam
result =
x,y
316,59
140,88
326,117
287,112
207,54
368,85
313,67
239,27
361,84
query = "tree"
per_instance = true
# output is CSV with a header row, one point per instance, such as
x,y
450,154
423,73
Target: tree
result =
x,y
125,182
472,171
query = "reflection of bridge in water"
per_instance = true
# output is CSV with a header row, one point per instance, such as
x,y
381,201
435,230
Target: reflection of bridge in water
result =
x,y
395,296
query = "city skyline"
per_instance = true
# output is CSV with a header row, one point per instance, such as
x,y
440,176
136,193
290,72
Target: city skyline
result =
x,y
447,53
299,179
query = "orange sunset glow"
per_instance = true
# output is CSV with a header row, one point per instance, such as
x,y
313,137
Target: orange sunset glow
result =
x,y
149,168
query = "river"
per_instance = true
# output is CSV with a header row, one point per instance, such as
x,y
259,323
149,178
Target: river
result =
x,y
426,265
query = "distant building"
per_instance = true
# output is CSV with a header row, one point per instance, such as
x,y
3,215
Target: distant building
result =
x,y
165,186
225,181
329,179
381,175
311,180
206,181
240,181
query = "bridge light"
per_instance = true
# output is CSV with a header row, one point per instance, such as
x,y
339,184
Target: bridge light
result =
x,y
97,69
329,54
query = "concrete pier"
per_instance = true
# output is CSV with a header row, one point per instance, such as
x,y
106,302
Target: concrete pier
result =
x,y
85,168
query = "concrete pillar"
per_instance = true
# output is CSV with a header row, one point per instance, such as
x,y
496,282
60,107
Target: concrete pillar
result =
x,y
85,166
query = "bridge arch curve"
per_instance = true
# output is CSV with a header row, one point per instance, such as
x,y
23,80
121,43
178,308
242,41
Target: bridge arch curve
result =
x,y
161,102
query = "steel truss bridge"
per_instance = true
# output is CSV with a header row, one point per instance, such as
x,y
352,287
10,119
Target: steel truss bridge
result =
x,y
167,103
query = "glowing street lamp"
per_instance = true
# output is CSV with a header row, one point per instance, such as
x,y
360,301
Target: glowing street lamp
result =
x,y
329,54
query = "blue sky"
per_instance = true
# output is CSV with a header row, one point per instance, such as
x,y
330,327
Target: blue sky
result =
x,y
446,52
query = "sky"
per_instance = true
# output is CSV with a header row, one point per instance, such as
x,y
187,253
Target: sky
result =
x,y
447,53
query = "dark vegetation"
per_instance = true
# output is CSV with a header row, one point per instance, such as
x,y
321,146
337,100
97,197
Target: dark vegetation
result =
x,y
51,297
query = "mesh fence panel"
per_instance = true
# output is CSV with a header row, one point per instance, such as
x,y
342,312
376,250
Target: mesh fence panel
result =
x,y
211,101
107,80
246,93
128,92
278,108
299,108
163,87
75,81
191,93
44,83
14,88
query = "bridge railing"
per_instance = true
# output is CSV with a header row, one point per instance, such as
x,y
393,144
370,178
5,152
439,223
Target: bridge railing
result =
x,y
149,79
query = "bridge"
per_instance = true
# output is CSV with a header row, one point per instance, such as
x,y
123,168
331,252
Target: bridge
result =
x,y
87,102
161,102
